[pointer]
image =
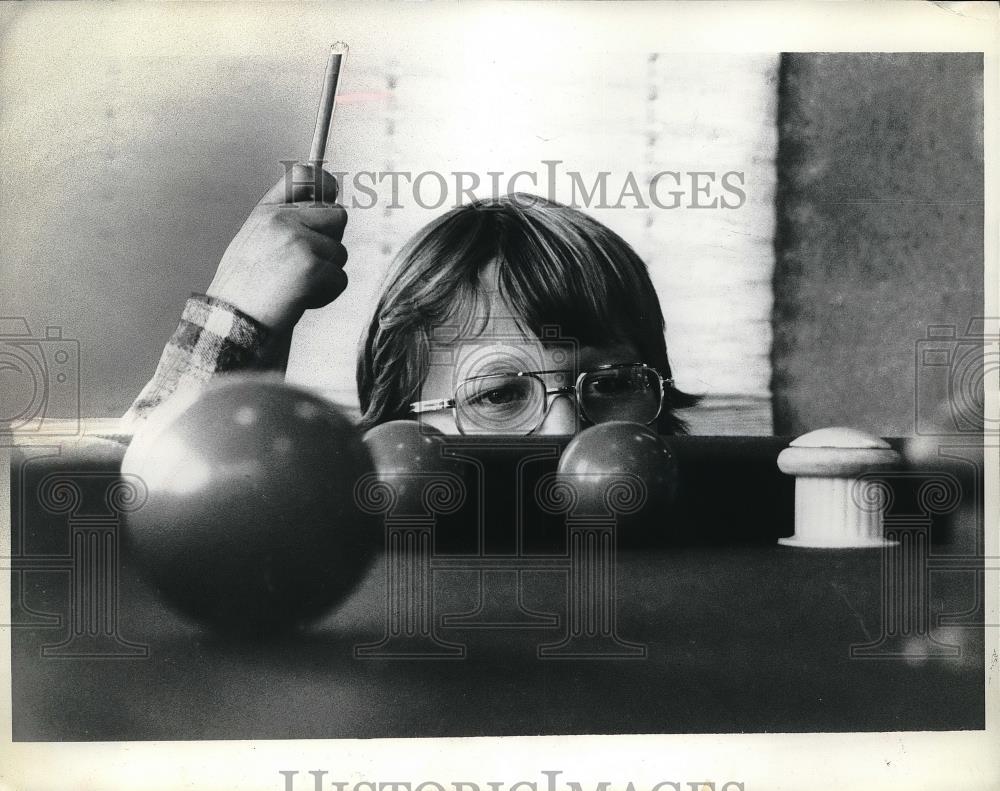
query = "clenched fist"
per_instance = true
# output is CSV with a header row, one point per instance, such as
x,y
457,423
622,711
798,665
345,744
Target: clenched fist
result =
x,y
288,255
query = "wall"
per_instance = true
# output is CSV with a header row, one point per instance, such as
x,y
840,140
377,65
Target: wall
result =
x,y
880,232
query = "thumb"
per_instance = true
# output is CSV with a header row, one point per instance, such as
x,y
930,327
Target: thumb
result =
x,y
302,183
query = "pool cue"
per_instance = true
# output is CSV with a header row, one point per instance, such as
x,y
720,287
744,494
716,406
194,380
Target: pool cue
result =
x,y
327,102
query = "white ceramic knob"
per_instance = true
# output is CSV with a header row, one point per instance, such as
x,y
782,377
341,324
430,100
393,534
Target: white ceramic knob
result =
x,y
835,507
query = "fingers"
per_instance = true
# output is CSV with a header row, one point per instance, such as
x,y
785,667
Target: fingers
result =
x,y
325,248
330,284
304,192
304,183
328,279
329,221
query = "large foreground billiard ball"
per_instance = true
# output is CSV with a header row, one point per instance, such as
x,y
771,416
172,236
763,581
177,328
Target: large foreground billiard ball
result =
x,y
622,469
250,523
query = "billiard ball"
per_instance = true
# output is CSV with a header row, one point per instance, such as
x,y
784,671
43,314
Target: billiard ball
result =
x,y
250,523
409,457
403,445
622,469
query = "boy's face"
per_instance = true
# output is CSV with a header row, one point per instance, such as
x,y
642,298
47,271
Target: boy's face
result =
x,y
502,347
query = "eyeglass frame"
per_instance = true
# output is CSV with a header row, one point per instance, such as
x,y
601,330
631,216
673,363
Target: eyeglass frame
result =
x,y
440,404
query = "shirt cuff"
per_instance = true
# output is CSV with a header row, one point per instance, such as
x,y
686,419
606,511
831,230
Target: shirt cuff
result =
x,y
213,337
218,336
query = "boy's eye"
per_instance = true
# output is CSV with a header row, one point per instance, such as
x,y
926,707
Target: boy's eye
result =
x,y
610,385
499,404
614,384
499,396
628,381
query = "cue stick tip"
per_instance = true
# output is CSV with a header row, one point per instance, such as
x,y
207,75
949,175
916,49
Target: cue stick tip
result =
x,y
328,98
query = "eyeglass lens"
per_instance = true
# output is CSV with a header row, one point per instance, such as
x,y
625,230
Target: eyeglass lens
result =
x,y
627,392
506,403
500,404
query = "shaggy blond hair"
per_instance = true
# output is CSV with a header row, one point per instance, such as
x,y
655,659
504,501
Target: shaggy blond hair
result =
x,y
555,267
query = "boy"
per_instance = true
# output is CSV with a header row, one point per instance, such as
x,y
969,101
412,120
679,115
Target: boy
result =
x,y
471,334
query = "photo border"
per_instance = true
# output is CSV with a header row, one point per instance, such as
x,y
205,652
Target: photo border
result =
x,y
967,760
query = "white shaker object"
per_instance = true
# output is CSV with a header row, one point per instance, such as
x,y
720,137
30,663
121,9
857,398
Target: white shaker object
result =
x,y
835,506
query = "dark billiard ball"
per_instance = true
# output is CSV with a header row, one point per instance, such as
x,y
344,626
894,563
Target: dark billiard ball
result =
x,y
404,446
409,458
622,469
250,522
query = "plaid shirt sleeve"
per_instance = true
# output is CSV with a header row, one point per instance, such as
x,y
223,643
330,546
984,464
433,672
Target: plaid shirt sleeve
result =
x,y
213,337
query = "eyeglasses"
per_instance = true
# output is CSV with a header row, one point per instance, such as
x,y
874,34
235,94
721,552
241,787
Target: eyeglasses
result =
x,y
517,402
